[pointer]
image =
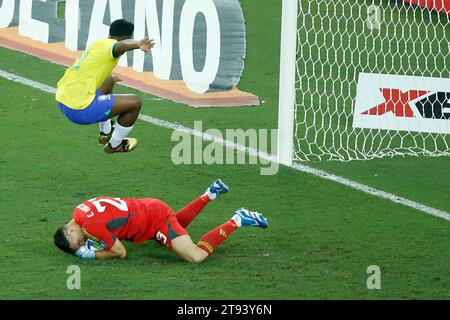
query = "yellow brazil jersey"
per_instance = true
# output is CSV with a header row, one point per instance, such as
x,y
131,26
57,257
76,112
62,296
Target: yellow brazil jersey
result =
x,y
76,89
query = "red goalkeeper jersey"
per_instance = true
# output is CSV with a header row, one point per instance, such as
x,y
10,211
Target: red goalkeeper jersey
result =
x,y
104,219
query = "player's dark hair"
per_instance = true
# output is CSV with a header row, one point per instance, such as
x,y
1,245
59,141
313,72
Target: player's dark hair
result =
x,y
120,28
61,241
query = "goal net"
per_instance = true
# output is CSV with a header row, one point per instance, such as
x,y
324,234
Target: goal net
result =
x,y
388,55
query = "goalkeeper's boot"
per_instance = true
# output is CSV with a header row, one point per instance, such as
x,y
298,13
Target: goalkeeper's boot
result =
x,y
246,218
127,145
216,189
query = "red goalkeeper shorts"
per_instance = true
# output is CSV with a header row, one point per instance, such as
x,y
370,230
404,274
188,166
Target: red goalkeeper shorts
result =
x,y
158,222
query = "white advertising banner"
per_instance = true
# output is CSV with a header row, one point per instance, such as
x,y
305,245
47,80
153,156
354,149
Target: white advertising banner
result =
x,y
409,103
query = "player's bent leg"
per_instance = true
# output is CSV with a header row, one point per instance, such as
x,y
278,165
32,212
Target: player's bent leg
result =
x,y
186,215
214,238
106,127
187,250
106,131
127,108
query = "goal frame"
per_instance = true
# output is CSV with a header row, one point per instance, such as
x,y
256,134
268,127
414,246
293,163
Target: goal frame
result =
x,y
288,63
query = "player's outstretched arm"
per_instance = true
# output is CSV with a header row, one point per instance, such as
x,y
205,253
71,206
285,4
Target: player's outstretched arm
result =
x,y
123,46
117,251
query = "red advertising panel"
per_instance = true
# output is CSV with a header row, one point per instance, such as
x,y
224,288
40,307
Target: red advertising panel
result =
x,y
440,5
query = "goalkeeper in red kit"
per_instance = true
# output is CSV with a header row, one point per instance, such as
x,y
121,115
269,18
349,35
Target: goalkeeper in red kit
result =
x,y
99,225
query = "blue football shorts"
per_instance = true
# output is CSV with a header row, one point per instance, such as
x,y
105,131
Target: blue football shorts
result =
x,y
97,111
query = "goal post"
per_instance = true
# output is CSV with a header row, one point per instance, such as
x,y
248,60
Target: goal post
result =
x,y
288,61
363,79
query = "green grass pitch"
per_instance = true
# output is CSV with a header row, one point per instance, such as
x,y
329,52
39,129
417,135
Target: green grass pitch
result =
x,y
322,235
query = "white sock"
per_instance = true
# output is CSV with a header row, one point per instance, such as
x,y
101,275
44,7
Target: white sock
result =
x,y
119,134
237,219
105,126
211,195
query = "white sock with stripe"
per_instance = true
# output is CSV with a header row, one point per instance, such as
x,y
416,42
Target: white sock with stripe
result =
x,y
105,126
120,133
237,219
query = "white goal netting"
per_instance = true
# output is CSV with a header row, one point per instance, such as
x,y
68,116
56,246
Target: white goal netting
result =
x,y
338,40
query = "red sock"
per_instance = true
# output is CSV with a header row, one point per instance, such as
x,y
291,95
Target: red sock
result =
x,y
210,241
188,213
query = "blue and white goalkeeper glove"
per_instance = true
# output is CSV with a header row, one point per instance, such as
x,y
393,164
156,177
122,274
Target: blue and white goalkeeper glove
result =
x,y
85,253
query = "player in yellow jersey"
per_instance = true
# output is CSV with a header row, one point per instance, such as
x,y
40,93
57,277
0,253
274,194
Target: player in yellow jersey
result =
x,y
84,93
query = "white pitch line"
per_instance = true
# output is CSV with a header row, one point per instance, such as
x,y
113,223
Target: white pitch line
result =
x,y
230,144
28,82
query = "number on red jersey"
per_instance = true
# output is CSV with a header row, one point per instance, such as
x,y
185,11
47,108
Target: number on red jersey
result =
x,y
116,202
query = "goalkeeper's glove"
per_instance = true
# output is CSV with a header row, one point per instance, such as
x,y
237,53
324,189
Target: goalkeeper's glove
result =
x,y
85,253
